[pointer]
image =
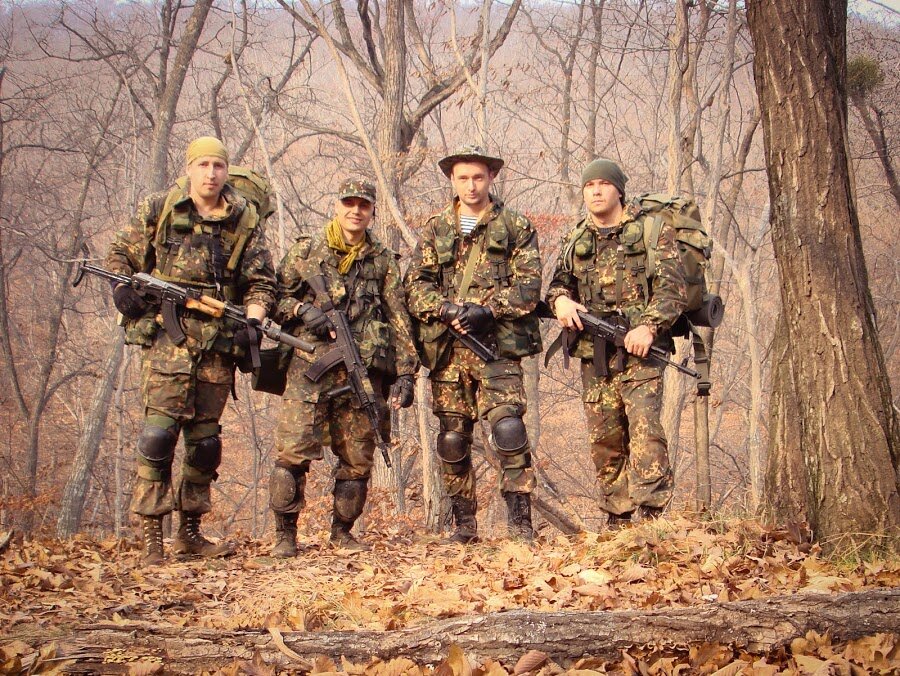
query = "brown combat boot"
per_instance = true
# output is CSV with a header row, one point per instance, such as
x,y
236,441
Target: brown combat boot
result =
x,y
285,535
463,510
188,540
518,514
349,500
151,531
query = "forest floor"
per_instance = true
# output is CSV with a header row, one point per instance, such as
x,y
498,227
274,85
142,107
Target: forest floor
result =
x,y
52,590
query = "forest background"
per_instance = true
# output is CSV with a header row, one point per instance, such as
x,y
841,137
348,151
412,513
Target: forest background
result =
x,y
99,99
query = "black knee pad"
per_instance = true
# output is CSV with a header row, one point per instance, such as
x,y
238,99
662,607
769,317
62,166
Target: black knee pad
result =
x,y
454,450
156,446
286,489
206,454
510,436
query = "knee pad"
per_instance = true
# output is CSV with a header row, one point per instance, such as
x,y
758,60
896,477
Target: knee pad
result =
x,y
156,446
287,486
510,436
454,450
205,455
350,498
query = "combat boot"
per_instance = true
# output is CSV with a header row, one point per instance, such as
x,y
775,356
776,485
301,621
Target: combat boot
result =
x,y
285,535
151,531
518,512
188,540
349,500
648,513
617,521
463,510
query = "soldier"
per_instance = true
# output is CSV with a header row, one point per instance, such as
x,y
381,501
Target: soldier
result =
x,y
363,278
477,269
208,237
601,270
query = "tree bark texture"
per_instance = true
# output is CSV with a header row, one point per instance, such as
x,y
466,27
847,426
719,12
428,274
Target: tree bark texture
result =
x,y
71,507
833,452
758,626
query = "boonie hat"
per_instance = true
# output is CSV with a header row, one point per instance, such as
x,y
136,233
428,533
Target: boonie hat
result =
x,y
470,154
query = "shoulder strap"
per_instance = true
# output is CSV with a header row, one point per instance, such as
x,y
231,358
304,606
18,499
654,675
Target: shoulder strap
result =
x,y
245,227
469,272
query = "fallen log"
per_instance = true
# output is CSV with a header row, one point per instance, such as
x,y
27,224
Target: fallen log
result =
x,y
757,626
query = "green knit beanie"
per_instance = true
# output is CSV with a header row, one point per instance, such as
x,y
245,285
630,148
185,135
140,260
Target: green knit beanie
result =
x,y
607,170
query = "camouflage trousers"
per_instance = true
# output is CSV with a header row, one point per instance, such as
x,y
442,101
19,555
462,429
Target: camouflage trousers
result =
x,y
628,445
184,389
310,419
467,389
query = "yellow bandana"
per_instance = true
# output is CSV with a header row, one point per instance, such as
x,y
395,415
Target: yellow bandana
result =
x,y
335,239
206,146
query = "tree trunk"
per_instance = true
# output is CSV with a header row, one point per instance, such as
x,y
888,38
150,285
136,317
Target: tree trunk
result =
x,y
833,456
757,626
432,486
72,505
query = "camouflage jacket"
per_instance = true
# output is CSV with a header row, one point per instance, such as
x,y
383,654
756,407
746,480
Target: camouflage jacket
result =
x,y
375,304
507,276
605,270
184,250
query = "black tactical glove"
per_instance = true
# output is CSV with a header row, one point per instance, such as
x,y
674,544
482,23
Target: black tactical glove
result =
x,y
129,302
449,311
315,320
402,390
474,318
250,335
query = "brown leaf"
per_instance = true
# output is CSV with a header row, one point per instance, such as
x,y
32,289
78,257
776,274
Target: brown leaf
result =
x,y
732,669
530,661
144,668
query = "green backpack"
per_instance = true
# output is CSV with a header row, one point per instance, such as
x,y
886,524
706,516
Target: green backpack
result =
x,y
704,309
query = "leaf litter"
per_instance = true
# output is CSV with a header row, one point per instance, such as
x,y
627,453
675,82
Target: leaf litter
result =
x,y
411,579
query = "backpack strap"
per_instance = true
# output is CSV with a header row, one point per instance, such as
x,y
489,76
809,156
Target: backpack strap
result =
x,y
701,361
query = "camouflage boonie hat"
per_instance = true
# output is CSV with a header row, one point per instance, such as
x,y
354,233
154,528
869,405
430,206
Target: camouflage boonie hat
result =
x,y
470,154
357,187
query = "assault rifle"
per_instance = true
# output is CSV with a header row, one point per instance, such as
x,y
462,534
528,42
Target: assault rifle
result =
x,y
346,352
612,331
482,351
171,296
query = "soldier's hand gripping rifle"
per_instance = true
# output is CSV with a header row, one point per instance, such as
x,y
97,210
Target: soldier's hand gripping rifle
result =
x,y
346,352
482,351
171,296
614,332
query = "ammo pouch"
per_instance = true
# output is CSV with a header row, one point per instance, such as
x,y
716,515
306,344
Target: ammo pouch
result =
x,y
377,349
432,343
140,331
271,376
517,338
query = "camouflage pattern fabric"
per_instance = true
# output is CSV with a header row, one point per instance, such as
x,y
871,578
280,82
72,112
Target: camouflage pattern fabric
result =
x,y
507,276
471,389
586,272
375,306
187,386
628,444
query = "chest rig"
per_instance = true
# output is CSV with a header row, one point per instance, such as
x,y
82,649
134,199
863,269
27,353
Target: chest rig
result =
x,y
459,263
610,266
202,253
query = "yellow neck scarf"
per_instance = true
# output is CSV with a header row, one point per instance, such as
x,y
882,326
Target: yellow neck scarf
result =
x,y
335,239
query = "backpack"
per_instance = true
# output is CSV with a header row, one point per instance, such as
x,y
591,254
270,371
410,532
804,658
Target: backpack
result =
x,y
704,309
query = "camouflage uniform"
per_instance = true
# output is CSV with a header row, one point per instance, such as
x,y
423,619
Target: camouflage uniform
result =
x,y
185,387
507,279
372,296
603,269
